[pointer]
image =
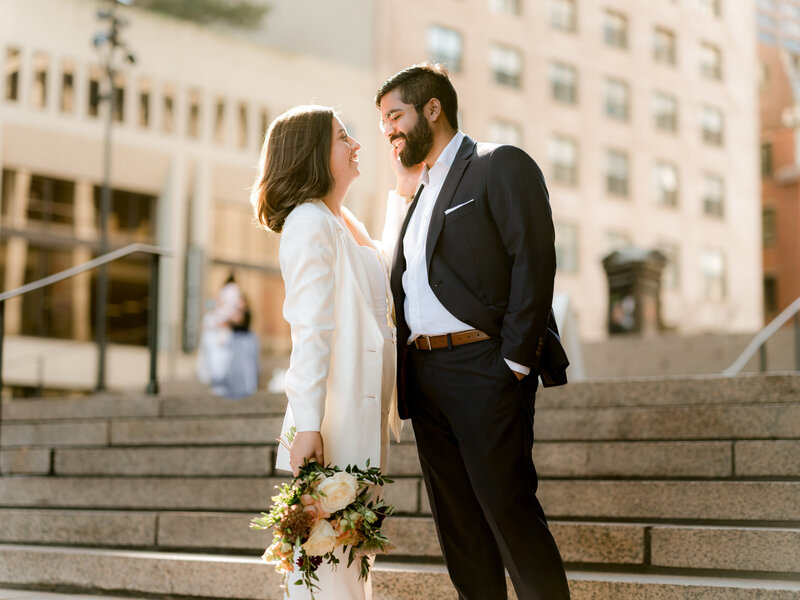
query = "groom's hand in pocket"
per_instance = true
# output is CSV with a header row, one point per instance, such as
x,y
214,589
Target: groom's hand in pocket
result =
x,y
306,445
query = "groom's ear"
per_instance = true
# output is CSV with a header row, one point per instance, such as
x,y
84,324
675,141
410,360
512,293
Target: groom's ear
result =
x,y
433,109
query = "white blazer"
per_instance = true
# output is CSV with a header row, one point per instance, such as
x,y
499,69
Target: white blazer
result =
x,y
336,369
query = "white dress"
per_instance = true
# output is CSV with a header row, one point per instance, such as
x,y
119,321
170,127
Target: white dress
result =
x,y
342,583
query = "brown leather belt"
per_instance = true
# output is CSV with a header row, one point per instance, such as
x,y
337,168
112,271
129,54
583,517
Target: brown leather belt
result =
x,y
433,342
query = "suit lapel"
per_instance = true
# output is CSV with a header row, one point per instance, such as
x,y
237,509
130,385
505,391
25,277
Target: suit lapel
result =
x,y
454,175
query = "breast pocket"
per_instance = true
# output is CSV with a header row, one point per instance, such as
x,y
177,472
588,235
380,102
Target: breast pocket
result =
x,y
460,210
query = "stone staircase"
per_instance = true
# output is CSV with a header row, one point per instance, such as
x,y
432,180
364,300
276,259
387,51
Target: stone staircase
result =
x,y
680,488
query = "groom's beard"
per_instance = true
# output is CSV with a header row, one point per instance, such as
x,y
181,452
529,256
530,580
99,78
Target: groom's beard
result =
x,y
419,142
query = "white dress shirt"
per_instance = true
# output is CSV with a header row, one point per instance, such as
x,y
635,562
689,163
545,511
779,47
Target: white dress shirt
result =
x,y
424,313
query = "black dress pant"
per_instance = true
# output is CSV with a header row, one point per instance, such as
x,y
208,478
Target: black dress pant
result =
x,y
473,423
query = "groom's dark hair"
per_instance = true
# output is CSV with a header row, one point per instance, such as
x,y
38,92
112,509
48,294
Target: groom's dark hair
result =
x,y
419,83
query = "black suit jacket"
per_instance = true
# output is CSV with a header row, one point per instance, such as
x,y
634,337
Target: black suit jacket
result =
x,y
491,262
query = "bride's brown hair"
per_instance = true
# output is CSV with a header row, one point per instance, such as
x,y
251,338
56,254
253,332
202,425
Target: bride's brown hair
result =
x,y
295,164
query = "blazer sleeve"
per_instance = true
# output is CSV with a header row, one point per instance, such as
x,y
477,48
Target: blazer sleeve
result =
x,y
307,259
520,207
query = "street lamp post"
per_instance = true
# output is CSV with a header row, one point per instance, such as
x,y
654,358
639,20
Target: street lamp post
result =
x,y
110,44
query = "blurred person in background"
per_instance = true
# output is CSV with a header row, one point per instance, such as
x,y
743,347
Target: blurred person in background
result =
x,y
227,358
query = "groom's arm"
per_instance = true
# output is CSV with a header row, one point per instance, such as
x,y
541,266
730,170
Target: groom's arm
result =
x,y
520,206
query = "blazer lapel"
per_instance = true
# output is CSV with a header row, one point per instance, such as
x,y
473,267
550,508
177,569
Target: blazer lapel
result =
x,y
457,169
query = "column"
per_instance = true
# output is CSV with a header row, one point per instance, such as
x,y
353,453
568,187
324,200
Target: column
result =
x,y
17,249
82,284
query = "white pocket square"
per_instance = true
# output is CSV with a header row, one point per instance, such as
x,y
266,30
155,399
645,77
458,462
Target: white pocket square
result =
x,y
449,210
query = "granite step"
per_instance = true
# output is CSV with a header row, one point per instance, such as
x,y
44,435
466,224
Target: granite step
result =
x,y
705,390
553,459
605,543
697,500
647,423
235,577
768,549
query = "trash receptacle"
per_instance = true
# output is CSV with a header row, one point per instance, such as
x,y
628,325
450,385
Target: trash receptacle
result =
x,y
634,290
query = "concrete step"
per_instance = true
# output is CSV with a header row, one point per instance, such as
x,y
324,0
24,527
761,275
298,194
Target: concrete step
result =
x,y
17,594
715,422
106,406
221,576
606,543
752,501
553,459
667,391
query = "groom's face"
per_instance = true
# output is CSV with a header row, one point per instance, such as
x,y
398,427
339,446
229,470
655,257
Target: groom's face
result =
x,y
406,128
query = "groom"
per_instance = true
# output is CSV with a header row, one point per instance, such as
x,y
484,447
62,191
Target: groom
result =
x,y
473,286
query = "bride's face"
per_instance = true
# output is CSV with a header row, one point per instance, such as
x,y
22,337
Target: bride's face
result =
x,y
344,155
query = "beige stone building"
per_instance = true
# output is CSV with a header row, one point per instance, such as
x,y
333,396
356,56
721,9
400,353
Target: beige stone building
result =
x,y
644,119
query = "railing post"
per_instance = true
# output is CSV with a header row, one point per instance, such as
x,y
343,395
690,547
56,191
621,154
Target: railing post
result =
x,y
152,324
762,357
797,341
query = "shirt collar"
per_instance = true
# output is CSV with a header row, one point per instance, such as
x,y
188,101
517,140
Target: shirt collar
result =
x,y
447,156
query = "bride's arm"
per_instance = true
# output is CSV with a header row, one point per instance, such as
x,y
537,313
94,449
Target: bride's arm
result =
x,y
306,257
407,179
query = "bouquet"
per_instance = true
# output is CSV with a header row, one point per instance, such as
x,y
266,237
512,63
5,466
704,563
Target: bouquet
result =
x,y
323,508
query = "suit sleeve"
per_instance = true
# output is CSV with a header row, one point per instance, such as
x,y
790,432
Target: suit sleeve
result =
x,y
520,206
307,258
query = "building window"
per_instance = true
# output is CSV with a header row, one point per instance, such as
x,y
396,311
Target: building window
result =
x,y
766,160
93,109
563,15
671,275
193,126
67,103
48,311
219,121
564,82
563,153
616,29
13,60
664,46
243,120
509,7
665,184
168,108
263,124
505,132
665,111
51,201
144,103
506,65
769,234
770,294
444,46
566,248
710,7
710,61
713,195
617,99
132,217
617,240
617,173
39,91
711,120
119,98
713,267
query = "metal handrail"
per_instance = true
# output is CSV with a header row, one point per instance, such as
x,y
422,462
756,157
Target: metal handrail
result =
x,y
155,253
757,343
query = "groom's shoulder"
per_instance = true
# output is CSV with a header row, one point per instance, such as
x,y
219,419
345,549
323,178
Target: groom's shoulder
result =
x,y
499,154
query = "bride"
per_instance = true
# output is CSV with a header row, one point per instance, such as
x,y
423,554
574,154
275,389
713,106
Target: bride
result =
x,y
341,377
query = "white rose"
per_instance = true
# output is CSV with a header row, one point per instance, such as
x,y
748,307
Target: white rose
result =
x,y
321,539
337,491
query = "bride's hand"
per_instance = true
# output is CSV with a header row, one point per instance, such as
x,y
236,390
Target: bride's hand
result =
x,y
407,177
306,445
